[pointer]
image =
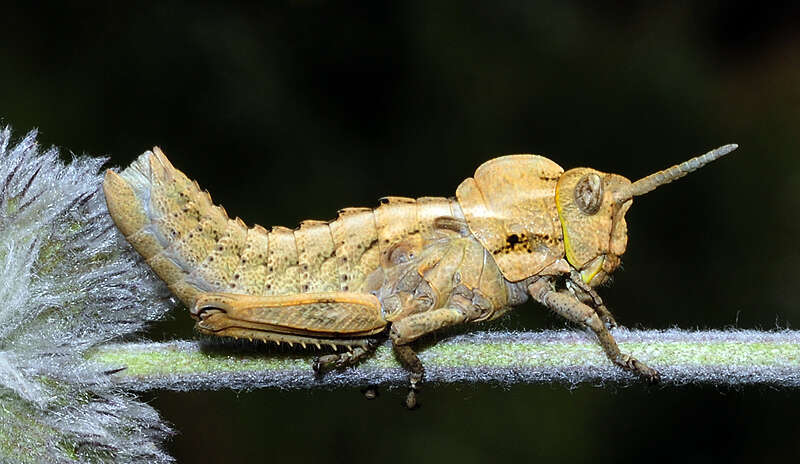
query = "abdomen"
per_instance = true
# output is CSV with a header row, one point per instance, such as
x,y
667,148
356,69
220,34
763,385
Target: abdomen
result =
x,y
195,247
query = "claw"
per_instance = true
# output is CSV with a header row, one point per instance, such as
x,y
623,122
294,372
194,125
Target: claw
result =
x,y
411,399
321,363
639,368
371,392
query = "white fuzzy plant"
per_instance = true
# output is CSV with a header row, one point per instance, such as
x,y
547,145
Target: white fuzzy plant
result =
x,y
68,282
73,289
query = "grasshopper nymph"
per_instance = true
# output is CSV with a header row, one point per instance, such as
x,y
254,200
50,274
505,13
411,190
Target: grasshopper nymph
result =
x,y
521,227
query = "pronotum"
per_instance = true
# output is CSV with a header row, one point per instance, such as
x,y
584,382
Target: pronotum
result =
x,y
521,227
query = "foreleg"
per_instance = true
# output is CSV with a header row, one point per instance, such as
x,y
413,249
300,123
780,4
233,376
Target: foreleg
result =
x,y
586,294
570,308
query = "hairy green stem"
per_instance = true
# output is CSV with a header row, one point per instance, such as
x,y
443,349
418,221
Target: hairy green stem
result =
x,y
714,357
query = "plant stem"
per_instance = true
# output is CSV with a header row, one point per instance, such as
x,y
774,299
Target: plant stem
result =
x,y
711,357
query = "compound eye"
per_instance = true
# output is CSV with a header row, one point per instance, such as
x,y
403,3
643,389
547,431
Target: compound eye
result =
x,y
589,193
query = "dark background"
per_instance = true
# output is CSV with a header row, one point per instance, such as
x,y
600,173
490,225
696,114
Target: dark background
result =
x,y
292,110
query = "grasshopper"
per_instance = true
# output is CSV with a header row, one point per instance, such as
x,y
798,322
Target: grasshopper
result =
x,y
521,227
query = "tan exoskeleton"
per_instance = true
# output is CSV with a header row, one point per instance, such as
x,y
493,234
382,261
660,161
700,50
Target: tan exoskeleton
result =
x,y
521,227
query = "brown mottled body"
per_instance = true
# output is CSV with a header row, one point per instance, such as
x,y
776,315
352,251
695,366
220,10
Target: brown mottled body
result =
x,y
522,226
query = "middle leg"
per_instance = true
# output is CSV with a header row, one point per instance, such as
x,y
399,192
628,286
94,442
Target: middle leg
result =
x,y
408,329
